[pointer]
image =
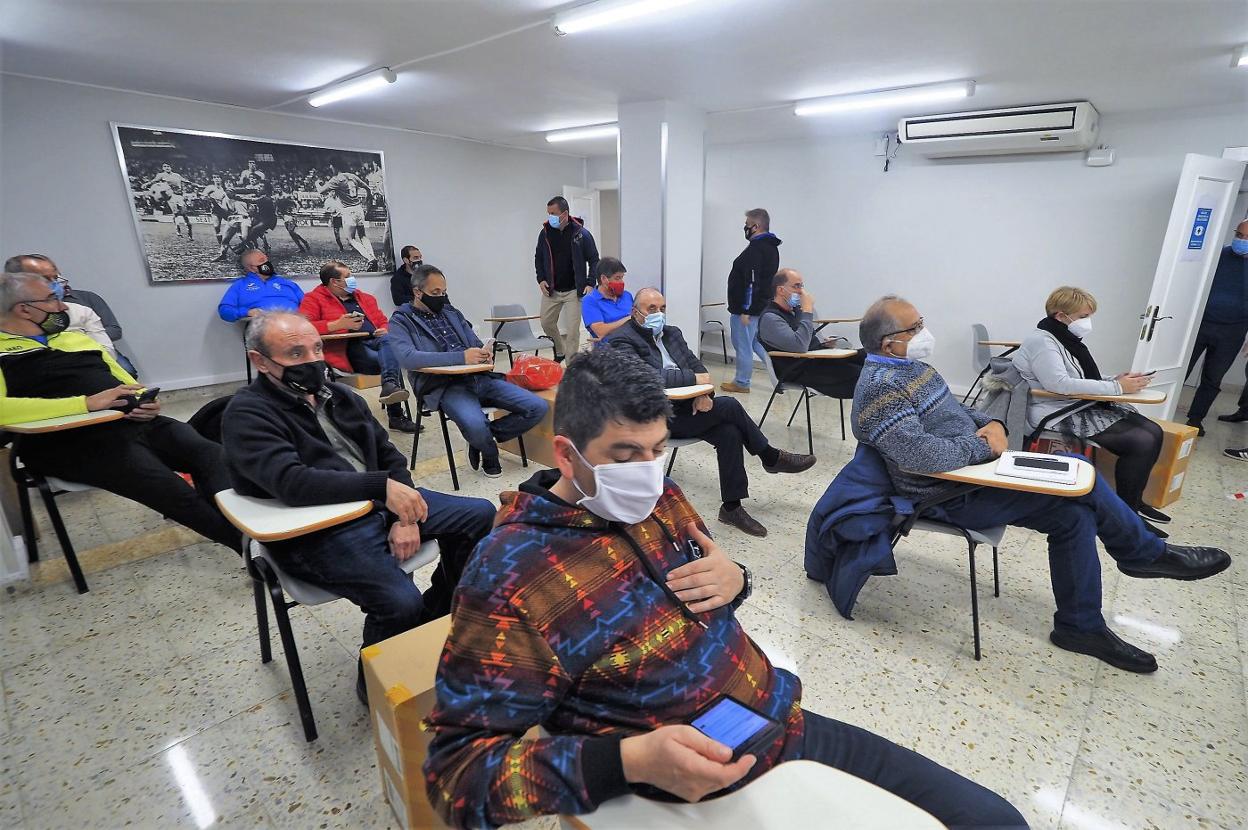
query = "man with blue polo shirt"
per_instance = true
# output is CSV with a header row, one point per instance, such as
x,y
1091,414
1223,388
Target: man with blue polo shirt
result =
x,y
608,306
259,289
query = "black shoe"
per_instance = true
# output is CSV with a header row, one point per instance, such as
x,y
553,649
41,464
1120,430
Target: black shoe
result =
x,y
1107,646
474,458
1156,531
491,467
742,521
391,393
361,690
402,423
1236,417
791,462
1240,454
1200,430
1154,516
1180,562
558,358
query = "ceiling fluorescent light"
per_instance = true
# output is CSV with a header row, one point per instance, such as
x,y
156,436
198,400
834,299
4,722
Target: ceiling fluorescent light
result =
x,y
353,87
927,94
607,12
1240,56
579,133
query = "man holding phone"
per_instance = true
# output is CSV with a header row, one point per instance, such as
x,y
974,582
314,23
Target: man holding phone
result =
x,y
48,372
601,610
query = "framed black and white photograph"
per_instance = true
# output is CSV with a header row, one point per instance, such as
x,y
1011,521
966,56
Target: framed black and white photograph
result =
x,y
199,200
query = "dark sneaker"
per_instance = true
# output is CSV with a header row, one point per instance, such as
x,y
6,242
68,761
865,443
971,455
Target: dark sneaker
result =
x,y
391,392
1240,454
791,462
1153,515
402,423
1236,417
474,458
361,690
1180,562
491,467
1200,430
742,521
1107,646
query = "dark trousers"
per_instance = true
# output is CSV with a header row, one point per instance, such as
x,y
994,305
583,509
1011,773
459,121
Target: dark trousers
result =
x,y
354,561
953,800
835,378
1072,525
729,429
1136,441
374,356
462,401
141,461
1219,343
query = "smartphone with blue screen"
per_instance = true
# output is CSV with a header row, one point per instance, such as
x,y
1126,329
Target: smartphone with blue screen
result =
x,y
744,730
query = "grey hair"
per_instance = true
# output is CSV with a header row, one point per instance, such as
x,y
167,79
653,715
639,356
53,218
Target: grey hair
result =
x,y
877,323
422,275
13,265
637,297
258,328
13,288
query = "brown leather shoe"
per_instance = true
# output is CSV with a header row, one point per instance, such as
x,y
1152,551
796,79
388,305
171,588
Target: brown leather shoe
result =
x,y
731,386
742,521
791,462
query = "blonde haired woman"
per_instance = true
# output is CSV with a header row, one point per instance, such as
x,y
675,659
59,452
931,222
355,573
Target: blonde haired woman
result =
x,y
1055,359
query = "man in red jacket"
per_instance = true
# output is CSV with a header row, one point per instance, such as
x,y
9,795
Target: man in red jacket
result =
x,y
337,307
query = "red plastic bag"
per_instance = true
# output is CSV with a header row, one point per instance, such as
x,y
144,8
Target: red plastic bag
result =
x,y
534,373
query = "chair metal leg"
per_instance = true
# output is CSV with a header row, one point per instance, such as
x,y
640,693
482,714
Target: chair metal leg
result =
x,y
774,392
62,536
723,342
841,402
974,596
810,430
978,380
524,455
450,456
292,661
996,576
793,414
511,357
28,522
671,461
411,465
262,622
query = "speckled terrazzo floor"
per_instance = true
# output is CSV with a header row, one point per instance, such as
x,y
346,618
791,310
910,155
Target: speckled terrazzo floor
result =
x,y
144,702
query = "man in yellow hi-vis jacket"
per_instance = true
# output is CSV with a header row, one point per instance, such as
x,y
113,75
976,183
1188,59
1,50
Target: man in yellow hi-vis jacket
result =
x,y
46,372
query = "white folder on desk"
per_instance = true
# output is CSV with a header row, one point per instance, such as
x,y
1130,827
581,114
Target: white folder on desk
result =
x,y
1038,466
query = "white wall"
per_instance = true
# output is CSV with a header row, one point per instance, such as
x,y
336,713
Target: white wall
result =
x,y
474,210
966,240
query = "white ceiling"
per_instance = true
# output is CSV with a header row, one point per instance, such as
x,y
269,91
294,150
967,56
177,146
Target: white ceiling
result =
x,y
719,55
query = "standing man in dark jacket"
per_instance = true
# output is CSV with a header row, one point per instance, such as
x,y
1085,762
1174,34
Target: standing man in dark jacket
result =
x,y
293,437
401,283
749,285
721,422
1222,330
566,262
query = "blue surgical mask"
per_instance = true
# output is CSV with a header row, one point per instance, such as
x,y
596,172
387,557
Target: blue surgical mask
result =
x,y
351,284
655,322
795,301
1240,246
58,288
553,221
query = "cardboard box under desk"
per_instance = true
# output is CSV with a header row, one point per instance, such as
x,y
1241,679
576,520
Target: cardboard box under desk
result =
x,y
539,441
1165,483
399,673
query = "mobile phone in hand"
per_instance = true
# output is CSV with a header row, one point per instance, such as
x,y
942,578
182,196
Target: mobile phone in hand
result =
x,y
149,394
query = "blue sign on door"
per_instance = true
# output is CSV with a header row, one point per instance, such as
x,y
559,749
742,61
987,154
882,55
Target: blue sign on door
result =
x,y
1199,227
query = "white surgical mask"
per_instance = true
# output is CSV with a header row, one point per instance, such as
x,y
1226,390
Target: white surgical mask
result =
x,y
1080,328
921,345
625,492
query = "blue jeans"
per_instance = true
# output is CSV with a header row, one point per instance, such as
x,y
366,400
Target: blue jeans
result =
x,y
1072,525
954,801
462,401
745,341
375,356
354,561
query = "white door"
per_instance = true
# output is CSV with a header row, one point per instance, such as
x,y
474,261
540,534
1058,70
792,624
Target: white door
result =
x,y
584,204
1189,254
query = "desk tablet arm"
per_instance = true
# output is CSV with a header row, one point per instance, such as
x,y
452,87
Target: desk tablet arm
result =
x,y
902,525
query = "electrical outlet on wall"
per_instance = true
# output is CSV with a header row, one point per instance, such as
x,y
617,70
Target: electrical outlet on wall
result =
x,y
881,144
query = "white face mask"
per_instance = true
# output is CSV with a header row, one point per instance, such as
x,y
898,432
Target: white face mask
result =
x,y
625,492
921,345
1080,328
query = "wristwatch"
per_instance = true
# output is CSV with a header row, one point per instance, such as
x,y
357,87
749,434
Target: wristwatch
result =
x,y
747,589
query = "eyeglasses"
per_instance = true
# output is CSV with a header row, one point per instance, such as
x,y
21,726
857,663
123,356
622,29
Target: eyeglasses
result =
x,y
915,329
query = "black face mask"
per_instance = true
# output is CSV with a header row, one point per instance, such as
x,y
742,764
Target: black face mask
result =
x,y
747,231
305,378
435,304
416,263
55,323
265,269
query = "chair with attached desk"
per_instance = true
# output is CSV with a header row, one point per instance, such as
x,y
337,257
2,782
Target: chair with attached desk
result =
x,y
49,488
981,355
1078,402
710,326
468,369
267,520
513,331
683,393
779,387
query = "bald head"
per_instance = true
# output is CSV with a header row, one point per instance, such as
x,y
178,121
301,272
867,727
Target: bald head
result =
x,y
272,333
31,264
647,297
252,260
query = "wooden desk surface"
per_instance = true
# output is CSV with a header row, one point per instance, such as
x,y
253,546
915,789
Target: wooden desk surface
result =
x,y
684,393
64,422
1145,395
268,520
511,319
1013,344
820,354
824,321
464,369
985,475
346,335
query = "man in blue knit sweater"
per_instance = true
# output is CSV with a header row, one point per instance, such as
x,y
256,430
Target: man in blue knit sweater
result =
x,y
903,408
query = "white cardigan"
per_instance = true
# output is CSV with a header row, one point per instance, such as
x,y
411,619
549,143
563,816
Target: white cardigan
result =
x,y
1046,364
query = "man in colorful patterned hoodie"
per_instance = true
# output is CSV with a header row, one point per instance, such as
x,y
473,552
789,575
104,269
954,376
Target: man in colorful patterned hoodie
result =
x,y
601,610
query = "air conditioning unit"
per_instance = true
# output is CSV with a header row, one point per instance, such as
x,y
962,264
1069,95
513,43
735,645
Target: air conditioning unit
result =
x,y
1045,128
